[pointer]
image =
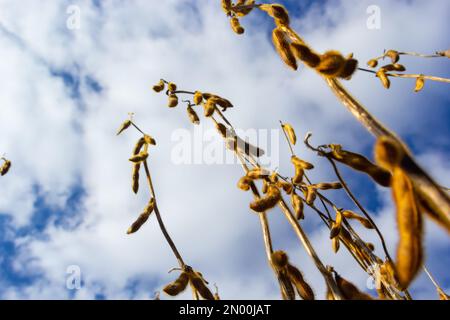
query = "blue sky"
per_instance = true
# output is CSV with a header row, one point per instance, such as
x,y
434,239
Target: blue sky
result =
x,y
67,199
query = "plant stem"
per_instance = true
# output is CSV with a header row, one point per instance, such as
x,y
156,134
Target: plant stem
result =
x,y
160,221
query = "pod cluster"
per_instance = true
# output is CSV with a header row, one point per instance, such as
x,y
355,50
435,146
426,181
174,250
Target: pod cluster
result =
x,y
196,281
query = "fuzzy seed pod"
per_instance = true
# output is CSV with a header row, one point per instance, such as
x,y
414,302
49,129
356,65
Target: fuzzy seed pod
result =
x,y
335,244
337,226
124,126
349,290
283,48
135,178
172,87
311,195
159,87
328,186
199,284
370,246
373,63
178,286
222,130
352,215
297,162
290,132
299,173
420,83
198,97
384,78
244,147
388,152
222,102
244,183
267,202
243,11
280,259
138,146
393,67
173,101
5,167
257,173
286,186
303,288
303,53
394,55
331,64
141,156
209,107
410,226
361,163
236,26
143,217
278,12
193,115
265,187
149,140
226,5
349,69
297,204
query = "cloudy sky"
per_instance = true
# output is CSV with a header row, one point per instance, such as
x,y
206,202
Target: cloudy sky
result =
x,y
67,201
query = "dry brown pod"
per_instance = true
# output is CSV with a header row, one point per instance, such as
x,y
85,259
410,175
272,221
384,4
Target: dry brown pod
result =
x,y
349,69
353,215
297,204
360,163
159,87
244,183
173,100
278,12
149,140
305,54
125,125
172,87
335,244
384,78
5,167
331,63
337,225
328,186
420,83
297,162
349,290
209,107
394,55
178,286
279,259
226,5
310,195
267,202
303,288
257,173
373,63
299,173
193,117
198,97
135,178
141,156
290,132
236,25
241,12
198,283
143,217
283,48
388,152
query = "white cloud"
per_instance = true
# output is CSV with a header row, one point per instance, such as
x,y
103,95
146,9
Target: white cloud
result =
x,y
55,141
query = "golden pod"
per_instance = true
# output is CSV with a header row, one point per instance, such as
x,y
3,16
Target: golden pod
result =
x,y
360,163
349,290
279,259
384,78
138,146
193,117
335,244
178,286
410,226
352,215
388,152
222,129
394,55
222,102
143,217
236,26
331,63
286,186
373,63
297,204
267,202
299,173
226,5
303,288
370,246
420,83
303,53
328,186
296,161
173,101
135,178
290,132
244,11
337,226
159,87
257,173
5,167
311,195
124,126
244,183
199,284
349,69
149,140
278,12
209,107
265,187
283,48
141,156
172,87
198,97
